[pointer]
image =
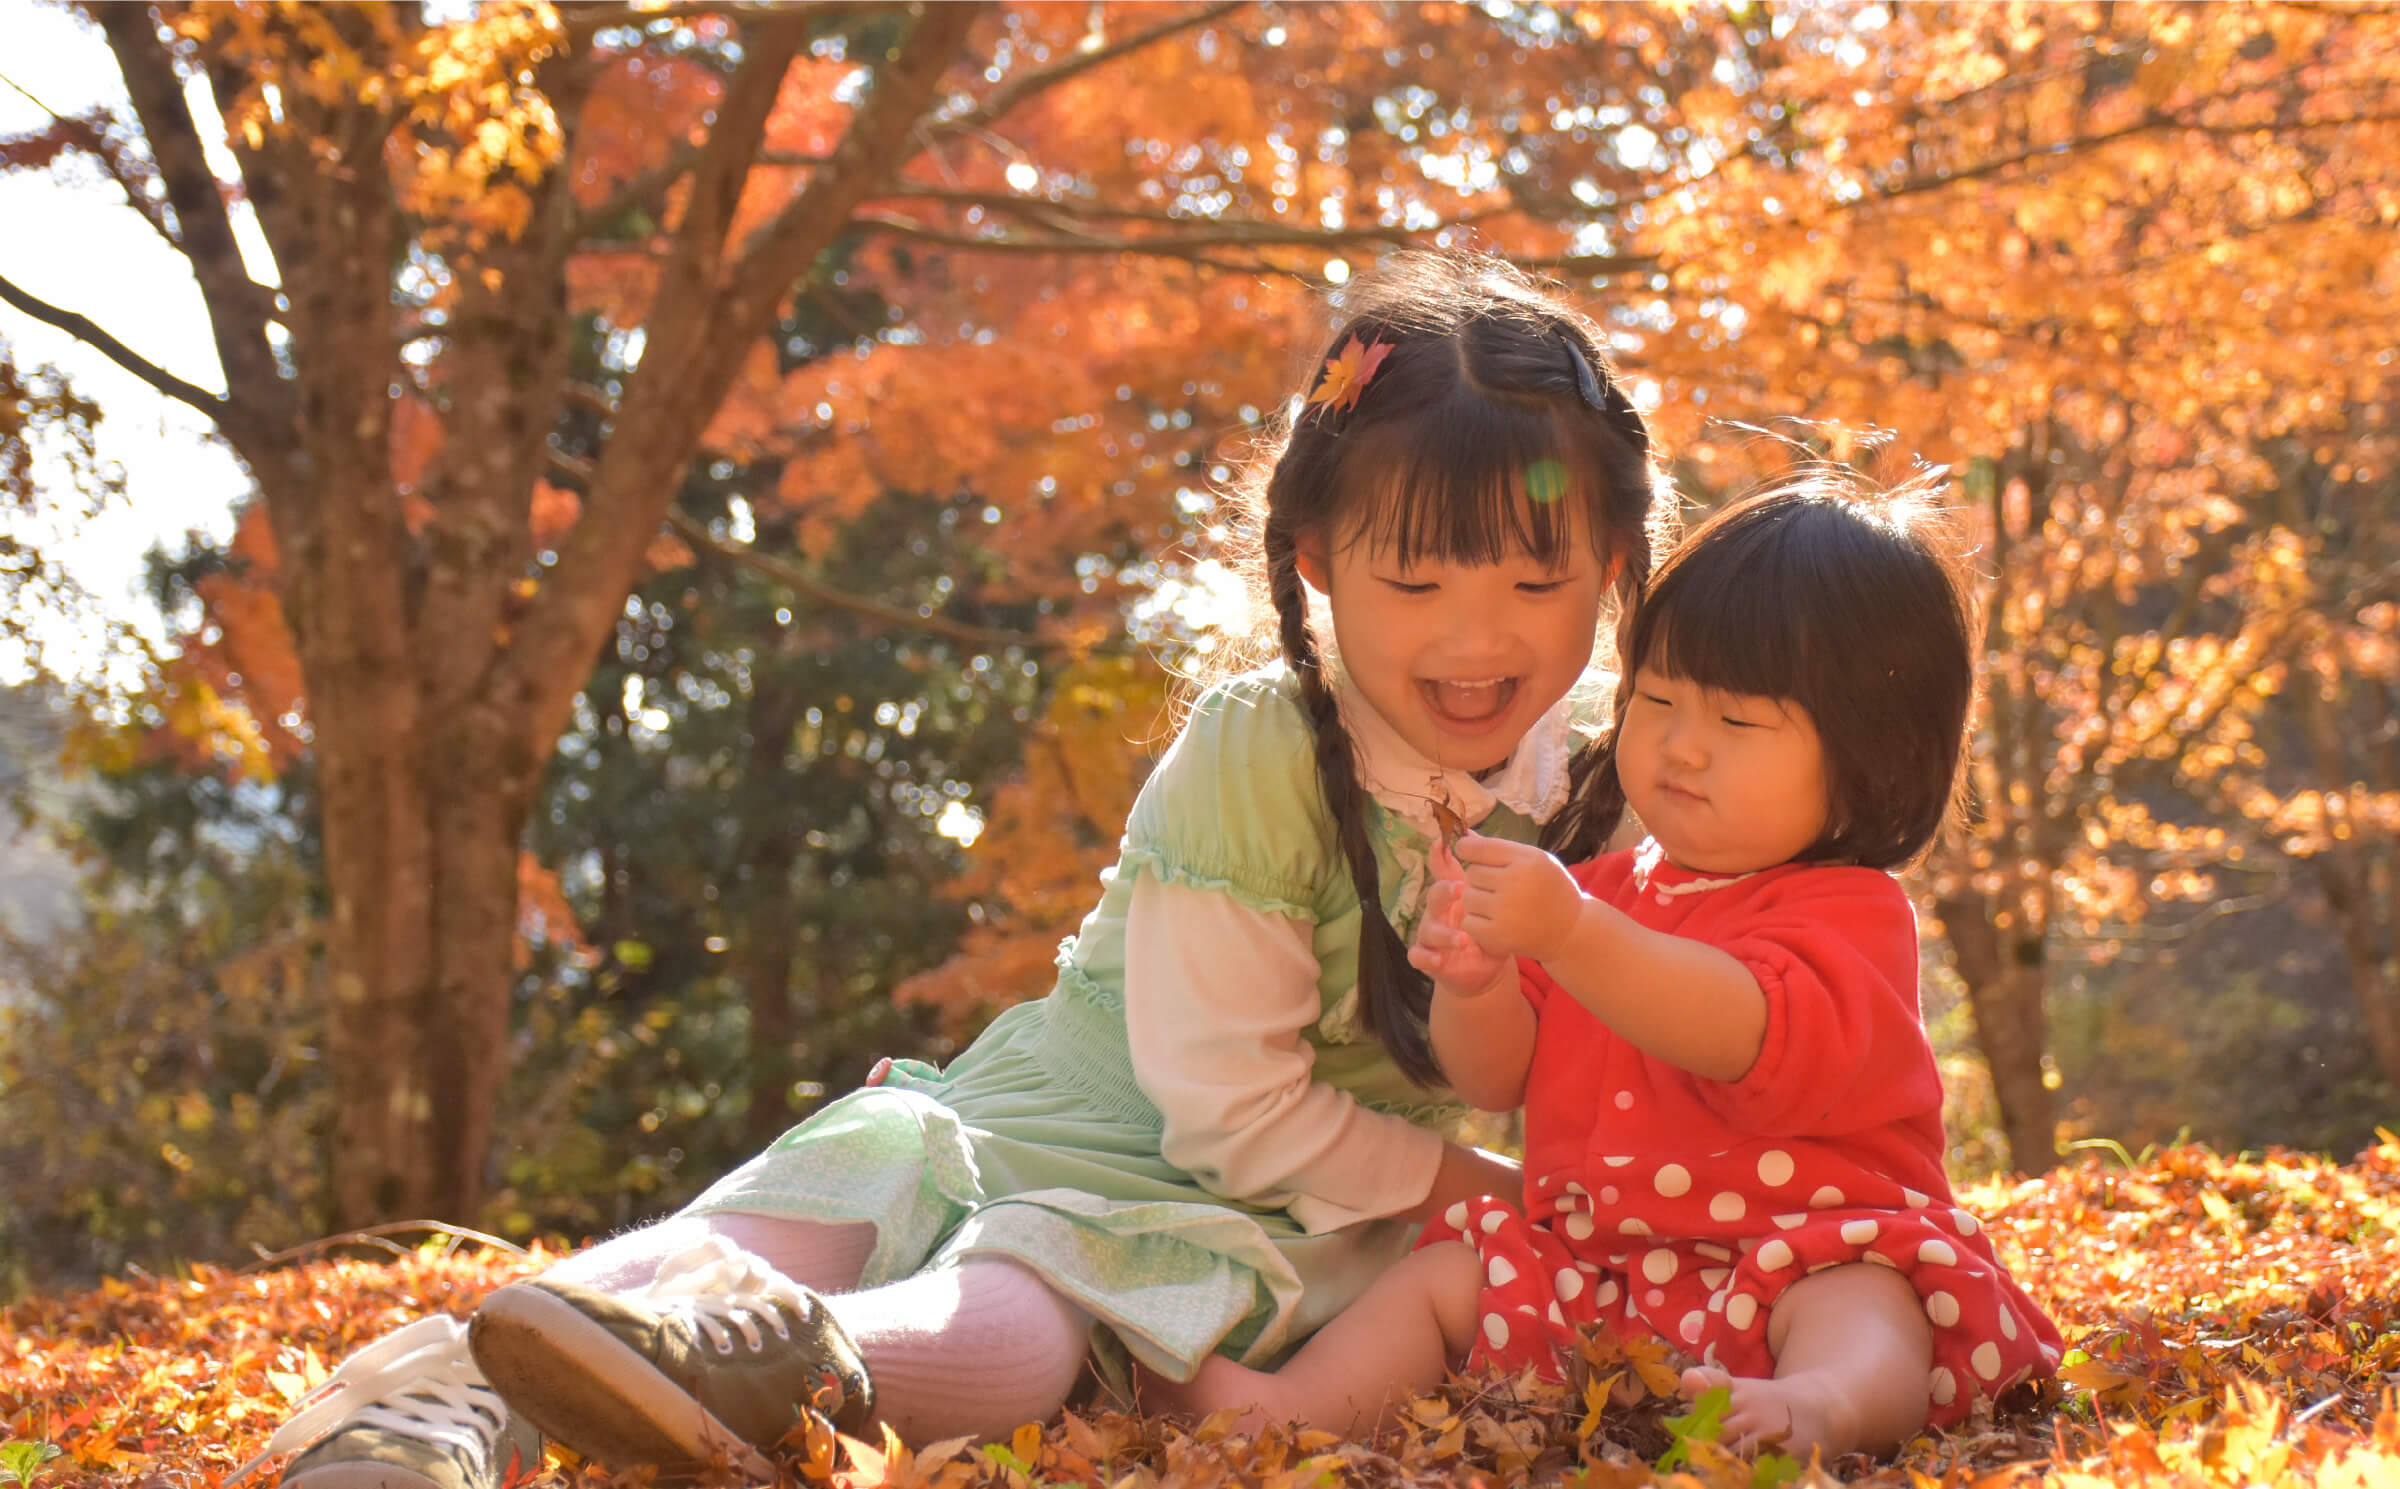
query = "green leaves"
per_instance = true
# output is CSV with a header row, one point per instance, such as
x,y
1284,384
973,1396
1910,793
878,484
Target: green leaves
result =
x,y
1705,1422
20,1461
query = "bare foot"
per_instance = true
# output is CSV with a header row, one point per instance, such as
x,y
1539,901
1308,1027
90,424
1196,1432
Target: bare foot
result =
x,y
1792,1414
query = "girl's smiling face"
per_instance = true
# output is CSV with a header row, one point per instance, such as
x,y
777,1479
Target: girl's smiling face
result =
x,y
1461,658
1727,782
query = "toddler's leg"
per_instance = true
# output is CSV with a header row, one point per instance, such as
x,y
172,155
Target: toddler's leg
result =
x,y
975,1350
1853,1353
1399,1339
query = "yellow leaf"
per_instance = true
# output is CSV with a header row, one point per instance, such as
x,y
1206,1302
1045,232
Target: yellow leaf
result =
x,y
2092,1375
1595,1402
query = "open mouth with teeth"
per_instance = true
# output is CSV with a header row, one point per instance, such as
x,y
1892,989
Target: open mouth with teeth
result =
x,y
1468,701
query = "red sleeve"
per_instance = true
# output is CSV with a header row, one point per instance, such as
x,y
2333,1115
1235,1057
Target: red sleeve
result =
x,y
1835,952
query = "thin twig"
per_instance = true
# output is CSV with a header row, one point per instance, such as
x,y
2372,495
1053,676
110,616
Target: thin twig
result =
x,y
1017,90
791,576
374,1235
88,331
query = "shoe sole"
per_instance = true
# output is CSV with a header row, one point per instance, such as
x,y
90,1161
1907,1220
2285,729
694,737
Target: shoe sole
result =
x,y
582,1386
358,1475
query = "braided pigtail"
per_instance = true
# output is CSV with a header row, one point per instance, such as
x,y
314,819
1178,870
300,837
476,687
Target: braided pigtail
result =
x,y
1394,998
1595,803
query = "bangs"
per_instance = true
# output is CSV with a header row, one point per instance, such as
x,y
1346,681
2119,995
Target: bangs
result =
x,y
1480,489
1736,618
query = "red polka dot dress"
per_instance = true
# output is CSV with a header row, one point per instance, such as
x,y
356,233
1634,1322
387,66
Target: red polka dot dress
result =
x,y
1662,1202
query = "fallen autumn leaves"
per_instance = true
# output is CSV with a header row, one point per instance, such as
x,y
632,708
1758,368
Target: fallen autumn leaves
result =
x,y
2231,1322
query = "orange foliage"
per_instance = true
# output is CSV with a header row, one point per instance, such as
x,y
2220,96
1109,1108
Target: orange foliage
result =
x,y
2229,1321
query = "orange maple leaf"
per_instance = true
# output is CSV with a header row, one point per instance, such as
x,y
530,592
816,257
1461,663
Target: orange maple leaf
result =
x,y
1347,372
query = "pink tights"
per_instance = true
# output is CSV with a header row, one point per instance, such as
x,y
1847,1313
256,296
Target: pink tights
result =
x,y
972,1350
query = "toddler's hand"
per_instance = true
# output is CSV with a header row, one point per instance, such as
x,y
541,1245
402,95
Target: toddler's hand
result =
x,y
1518,900
1446,953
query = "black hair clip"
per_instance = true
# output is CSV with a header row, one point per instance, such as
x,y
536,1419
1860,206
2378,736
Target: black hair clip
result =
x,y
1585,382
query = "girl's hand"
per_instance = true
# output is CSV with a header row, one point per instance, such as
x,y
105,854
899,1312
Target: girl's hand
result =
x,y
1442,951
1518,900
1449,955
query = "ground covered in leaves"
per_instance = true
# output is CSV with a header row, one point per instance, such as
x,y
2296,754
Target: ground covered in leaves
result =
x,y
2231,1322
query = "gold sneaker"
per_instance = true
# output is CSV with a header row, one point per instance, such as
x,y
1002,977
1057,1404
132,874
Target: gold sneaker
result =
x,y
716,1360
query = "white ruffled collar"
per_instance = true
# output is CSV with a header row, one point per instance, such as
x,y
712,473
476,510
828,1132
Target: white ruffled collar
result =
x,y
1532,781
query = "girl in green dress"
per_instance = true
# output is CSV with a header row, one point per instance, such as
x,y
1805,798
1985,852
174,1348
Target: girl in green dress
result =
x,y
1225,1119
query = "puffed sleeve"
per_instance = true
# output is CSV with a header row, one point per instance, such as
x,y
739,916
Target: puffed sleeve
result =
x,y
1835,953
1234,804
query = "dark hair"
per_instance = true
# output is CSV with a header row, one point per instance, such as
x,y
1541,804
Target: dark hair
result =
x,y
1487,386
1850,602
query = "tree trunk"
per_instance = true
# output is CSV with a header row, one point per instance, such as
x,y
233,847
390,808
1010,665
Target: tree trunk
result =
x,y
2342,876
2006,974
424,911
2345,868
439,663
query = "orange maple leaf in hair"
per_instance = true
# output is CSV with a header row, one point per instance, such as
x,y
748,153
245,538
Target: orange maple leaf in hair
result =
x,y
1347,372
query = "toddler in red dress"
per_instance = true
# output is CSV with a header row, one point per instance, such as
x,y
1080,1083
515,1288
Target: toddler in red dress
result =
x,y
1732,1113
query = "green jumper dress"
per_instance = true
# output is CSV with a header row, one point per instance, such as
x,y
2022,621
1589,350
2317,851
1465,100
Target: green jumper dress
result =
x,y
1036,1142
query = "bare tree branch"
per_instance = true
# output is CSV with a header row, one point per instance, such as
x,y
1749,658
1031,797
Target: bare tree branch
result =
x,y
83,329
798,580
878,142
1009,94
1240,236
733,140
90,135
704,306
238,307
581,20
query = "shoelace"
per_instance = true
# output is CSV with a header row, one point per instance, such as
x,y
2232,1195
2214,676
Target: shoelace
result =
x,y
418,1379
722,1288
